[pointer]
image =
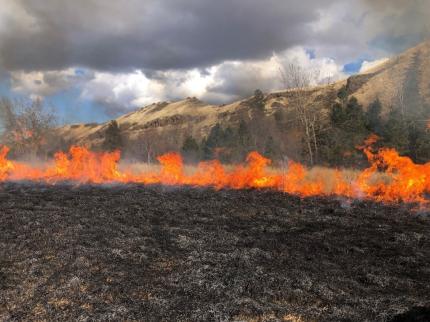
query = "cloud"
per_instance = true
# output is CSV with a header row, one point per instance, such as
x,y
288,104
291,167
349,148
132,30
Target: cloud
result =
x,y
44,83
398,24
368,65
150,34
119,91
235,80
219,83
128,53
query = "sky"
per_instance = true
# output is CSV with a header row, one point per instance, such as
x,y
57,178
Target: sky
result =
x,y
93,59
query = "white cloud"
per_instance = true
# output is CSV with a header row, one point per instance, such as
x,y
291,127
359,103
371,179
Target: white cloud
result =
x,y
122,89
220,83
45,83
367,65
12,12
234,80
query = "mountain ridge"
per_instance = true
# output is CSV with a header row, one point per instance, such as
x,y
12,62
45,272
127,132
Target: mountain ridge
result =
x,y
168,124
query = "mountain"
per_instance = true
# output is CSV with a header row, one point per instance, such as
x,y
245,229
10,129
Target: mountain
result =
x,y
402,80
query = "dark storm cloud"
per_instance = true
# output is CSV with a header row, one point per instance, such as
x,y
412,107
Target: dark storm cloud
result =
x,y
158,35
133,52
403,23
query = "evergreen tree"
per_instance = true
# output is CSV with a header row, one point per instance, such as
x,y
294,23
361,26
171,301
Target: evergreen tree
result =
x,y
422,147
271,149
190,149
337,115
258,94
373,117
244,138
229,144
279,118
396,132
212,142
348,129
355,119
113,139
343,94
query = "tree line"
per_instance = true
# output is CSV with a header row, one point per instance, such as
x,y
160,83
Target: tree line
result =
x,y
28,127
334,143
349,124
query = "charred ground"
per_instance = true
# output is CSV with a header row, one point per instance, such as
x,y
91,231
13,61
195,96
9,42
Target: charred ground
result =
x,y
155,253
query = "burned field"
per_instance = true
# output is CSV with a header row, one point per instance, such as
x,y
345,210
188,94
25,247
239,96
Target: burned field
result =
x,y
154,253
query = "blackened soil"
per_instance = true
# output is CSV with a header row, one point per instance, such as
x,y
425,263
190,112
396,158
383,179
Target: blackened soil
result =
x,y
182,254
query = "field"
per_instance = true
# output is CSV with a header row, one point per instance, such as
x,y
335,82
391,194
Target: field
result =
x,y
129,252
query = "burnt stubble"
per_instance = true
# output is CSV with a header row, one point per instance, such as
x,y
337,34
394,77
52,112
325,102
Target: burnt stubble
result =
x,y
154,253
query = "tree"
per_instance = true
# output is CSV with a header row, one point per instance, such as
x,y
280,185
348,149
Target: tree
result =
x,y
422,147
271,149
190,149
347,130
373,117
113,139
342,94
337,115
27,126
355,121
244,139
144,146
396,131
213,142
299,80
258,100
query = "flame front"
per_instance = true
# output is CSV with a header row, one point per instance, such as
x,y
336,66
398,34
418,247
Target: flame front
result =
x,y
389,178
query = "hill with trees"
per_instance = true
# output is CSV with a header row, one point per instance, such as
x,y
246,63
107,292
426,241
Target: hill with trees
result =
x,y
316,125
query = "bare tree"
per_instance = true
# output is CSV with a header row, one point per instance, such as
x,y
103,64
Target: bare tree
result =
x,y
399,96
299,80
26,126
145,147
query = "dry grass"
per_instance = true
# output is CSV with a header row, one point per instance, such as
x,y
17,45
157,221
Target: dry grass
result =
x,y
315,174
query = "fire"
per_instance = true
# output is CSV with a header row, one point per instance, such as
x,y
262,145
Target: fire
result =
x,y
389,178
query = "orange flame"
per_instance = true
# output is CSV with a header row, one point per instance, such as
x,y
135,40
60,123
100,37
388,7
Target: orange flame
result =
x,y
389,178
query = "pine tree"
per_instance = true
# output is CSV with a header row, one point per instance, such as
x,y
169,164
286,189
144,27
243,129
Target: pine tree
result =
x,y
190,149
355,119
258,100
348,129
213,142
396,132
373,117
337,115
271,149
113,139
244,138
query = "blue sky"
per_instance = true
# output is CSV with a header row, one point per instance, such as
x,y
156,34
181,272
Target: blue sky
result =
x,y
70,108
67,105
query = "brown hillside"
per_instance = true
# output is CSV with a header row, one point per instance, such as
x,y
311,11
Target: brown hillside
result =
x,y
405,77
165,125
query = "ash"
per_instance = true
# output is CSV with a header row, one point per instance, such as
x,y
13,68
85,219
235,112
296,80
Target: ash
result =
x,y
151,253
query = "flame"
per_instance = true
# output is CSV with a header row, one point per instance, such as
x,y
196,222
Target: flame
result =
x,y
389,178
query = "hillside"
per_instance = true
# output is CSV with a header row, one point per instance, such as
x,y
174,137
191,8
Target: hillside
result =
x,y
403,80
169,123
